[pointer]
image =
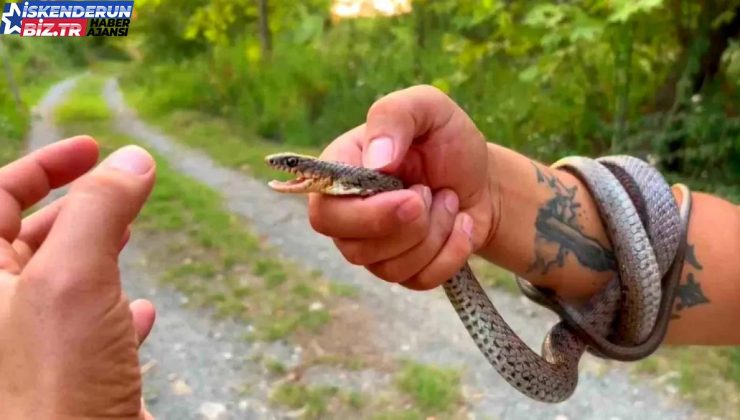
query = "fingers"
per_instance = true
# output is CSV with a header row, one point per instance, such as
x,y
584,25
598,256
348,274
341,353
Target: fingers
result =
x,y
404,267
372,217
84,241
394,121
420,135
144,315
451,258
26,181
34,229
413,134
370,251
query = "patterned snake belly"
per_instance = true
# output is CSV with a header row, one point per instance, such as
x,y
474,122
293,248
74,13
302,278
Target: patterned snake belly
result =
x,y
627,320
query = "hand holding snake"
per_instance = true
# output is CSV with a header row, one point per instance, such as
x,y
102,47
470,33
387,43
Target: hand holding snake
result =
x,y
419,241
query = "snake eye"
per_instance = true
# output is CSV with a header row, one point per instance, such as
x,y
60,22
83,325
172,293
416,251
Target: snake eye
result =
x,y
292,162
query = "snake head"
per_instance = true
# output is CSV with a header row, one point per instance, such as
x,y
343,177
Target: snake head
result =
x,y
331,178
310,176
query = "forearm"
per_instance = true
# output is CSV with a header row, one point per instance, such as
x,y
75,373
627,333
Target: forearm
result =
x,y
548,230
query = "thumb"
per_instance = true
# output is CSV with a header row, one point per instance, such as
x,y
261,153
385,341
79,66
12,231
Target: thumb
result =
x,y
97,211
401,118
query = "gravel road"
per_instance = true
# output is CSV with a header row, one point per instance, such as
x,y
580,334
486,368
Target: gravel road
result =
x,y
196,366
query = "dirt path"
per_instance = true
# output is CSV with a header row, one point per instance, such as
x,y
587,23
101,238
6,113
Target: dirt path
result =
x,y
195,366
208,355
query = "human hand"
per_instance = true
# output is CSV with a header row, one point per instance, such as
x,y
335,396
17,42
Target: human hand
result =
x,y
68,336
420,236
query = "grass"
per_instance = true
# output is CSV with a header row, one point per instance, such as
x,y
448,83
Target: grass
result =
x,y
708,377
421,391
217,263
34,90
14,123
493,276
85,105
205,251
226,141
433,389
235,146
314,400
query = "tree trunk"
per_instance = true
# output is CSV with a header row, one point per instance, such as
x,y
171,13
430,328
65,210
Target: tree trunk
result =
x,y
710,59
623,73
265,34
668,98
719,40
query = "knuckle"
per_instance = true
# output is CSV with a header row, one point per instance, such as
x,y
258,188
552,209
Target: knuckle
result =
x,y
420,284
104,185
382,106
354,253
391,271
59,287
419,226
427,280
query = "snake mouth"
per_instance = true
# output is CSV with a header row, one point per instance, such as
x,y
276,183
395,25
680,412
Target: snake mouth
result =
x,y
311,175
296,184
303,182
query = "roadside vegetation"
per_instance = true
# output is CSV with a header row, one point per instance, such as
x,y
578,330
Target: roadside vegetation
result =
x,y
210,255
657,79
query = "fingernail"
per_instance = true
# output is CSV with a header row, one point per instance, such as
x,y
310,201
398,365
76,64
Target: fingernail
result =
x,y
451,202
426,193
408,211
379,153
131,159
467,225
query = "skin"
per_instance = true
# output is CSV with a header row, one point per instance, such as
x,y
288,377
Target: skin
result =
x,y
489,204
68,335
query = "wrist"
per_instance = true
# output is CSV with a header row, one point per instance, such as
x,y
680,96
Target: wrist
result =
x,y
495,200
544,226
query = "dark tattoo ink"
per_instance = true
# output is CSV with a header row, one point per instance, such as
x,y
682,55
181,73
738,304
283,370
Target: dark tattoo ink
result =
x,y
558,232
689,293
691,257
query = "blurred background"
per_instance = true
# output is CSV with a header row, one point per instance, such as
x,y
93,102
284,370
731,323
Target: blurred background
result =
x,y
237,79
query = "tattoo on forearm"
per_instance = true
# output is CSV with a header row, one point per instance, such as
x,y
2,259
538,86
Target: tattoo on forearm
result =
x,y
690,293
559,234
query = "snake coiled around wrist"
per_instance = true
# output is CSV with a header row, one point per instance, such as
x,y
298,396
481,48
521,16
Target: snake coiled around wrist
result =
x,y
626,320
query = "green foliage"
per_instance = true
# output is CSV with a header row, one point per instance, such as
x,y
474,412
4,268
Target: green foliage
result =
x,y
314,399
86,106
28,68
13,123
435,390
547,79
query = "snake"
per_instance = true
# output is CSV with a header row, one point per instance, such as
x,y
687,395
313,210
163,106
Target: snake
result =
x,y
631,173
626,320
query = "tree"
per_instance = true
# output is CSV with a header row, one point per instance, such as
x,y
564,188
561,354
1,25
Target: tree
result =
x,y
265,34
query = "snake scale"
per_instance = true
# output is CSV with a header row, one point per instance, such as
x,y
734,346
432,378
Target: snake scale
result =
x,y
626,320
